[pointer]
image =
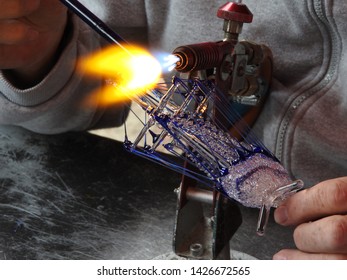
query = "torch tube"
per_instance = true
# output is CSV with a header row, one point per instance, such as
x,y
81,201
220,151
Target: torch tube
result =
x,y
95,23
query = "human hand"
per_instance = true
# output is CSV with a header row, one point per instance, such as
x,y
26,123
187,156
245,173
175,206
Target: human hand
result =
x,y
30,34
319,214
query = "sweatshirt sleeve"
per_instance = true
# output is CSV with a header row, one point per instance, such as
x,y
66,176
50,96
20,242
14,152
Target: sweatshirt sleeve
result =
x,y
58,103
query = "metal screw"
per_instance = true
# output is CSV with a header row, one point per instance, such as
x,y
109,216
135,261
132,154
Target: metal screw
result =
x,y
196,249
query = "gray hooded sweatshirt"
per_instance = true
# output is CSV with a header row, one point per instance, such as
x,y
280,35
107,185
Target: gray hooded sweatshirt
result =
x,y
304,119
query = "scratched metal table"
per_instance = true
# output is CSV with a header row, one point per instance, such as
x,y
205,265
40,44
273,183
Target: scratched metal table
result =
x,y
81,196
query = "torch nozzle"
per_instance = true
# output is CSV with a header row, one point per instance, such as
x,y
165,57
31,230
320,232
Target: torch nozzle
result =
x,y
200,56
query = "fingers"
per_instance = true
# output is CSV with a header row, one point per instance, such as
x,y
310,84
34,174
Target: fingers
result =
x,y
327,198
327,235
320,216
13,29
15,32
291,254
17,8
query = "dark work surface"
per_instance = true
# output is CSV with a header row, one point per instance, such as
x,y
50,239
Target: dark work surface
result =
x,y
81,196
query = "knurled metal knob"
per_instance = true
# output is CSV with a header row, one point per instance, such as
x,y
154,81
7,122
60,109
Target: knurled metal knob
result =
x,y
233,11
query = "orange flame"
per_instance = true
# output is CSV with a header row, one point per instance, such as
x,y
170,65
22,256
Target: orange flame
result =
x,y
128,74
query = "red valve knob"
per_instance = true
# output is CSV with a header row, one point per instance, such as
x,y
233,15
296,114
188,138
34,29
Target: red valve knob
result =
x,y
235,12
